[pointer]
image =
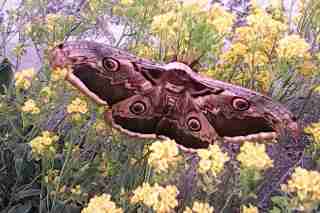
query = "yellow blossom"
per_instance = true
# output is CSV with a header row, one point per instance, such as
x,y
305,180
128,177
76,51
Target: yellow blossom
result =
x,y
59,74
76,190
101,204
292,47
253,155
51,20
161,199
220,19
30,106
199,207
249,209
305,185
100,127
164,154
28,28
126,2
314,130
199,3
43,144
307,68
51,175
212,159
24,77
237,51
264,24
168,24
145,51
264,79
77,106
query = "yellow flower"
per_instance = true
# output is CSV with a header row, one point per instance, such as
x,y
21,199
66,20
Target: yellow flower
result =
x,y
237,51
264,79
164,154
101,204
24,77
249,209
293,47
100,127
77,106
307,68
199,207
43,144
161,199
220,19
212,159
51,175
30,106
259,58
59,74
51,20
76,190
146,51
305,185
168,23
28,28
126,2
314,130
253,155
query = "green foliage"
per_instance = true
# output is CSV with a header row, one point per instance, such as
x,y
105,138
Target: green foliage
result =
x,y
280,205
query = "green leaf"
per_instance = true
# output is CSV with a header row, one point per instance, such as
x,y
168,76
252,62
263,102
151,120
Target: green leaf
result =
x,y
281,203
6,74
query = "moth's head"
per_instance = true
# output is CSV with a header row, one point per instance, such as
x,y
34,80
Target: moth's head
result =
x,y
94,69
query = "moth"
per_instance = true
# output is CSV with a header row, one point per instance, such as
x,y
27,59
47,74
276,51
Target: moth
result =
x,y
151,100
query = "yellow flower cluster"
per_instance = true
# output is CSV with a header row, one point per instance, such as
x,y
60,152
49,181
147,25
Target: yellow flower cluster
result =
x,y
30,106
43,144
77,106
164,154
220,19
253,155
212,159
28,28
167,24
100,127
254,42
126,2
51,176
306,186
23,78
146,51
51,20
264,24
101,204
161,199
199,207
76,190
249,209
293,47
263,78
314,130
59,74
